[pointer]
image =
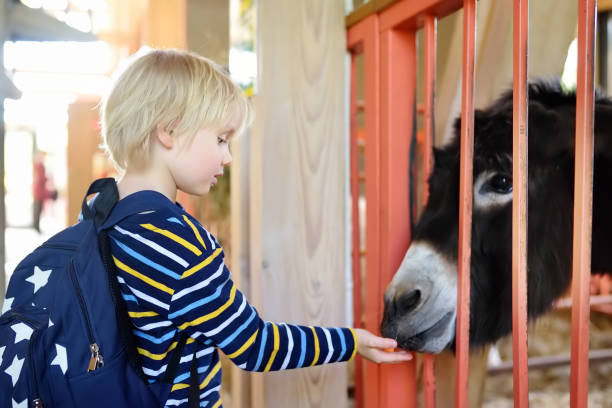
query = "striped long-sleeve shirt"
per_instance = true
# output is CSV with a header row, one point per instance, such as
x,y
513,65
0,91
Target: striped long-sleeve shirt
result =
x,y
174,281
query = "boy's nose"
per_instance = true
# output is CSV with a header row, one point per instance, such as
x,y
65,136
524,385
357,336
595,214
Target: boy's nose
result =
x,y
227,159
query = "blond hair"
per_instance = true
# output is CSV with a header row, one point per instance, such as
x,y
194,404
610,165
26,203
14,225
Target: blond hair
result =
x,y
173,90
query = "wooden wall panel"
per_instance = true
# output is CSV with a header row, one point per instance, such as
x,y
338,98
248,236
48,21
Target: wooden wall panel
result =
x,y
83,141
298,187
165,24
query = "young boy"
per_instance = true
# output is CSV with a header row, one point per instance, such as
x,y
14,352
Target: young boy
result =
x,y
167,123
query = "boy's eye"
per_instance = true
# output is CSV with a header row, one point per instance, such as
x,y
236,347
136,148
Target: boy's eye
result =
x,y
221,140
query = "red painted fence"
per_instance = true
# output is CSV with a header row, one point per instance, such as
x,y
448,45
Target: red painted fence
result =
x,y
385,41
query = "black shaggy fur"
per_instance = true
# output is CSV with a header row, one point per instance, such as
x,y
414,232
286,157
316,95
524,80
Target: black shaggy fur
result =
x,y
550,205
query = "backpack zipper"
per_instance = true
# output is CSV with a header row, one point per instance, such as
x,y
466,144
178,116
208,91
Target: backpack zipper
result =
x,y
59,246
12,315
33,376
96,360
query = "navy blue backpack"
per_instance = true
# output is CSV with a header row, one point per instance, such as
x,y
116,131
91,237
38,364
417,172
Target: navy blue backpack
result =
x,y
65,337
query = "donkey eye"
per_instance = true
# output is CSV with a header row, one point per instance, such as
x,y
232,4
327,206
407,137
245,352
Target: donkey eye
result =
x,y
500,183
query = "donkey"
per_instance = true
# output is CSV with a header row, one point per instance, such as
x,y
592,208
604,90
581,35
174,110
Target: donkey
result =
x,y
421,300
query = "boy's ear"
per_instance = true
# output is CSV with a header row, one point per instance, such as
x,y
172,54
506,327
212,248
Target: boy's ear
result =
x,y
165,137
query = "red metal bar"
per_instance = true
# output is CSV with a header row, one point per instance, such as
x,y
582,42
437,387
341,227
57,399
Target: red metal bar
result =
x,y
364,37
597,356
430,95
407,14
465,204
356,254
430,28
429,381
398,89
519,204
583,203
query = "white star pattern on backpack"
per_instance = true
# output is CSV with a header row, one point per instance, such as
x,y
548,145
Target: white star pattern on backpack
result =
x,y
15,369
22,332
22,404
8,302
39,278
61,359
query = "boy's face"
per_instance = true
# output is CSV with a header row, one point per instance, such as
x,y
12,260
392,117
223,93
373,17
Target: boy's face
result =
x,y
197,166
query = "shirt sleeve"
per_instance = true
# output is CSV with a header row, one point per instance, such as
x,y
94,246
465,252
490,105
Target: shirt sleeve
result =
x,y
205,303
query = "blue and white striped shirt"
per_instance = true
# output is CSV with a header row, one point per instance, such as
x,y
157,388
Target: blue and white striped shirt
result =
x,y
173,280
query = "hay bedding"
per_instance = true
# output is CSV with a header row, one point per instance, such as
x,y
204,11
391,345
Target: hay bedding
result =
x,y
550,387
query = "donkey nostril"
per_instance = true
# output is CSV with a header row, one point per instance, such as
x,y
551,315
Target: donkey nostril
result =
x,y
407,301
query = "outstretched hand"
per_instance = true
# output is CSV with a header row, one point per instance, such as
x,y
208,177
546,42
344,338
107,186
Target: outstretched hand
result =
x,y
375,348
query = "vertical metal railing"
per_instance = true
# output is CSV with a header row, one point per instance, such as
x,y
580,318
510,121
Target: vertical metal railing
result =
x,y
397,104
395,28
519,202
583,203
430,42
465,203
363,39
355,107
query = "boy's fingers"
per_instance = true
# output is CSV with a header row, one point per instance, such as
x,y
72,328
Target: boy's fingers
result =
x,y
383,343
393,357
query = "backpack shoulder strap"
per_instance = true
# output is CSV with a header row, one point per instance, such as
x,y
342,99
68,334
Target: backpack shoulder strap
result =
x,y
103,204
133,204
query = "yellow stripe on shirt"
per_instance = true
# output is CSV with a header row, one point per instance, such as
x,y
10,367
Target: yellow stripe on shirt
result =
x,y
142,314
202,264
179,386
173,237
195,231
153,356
214,314
211,375
217,404
355,341
275,350
316,344
142,277
244,346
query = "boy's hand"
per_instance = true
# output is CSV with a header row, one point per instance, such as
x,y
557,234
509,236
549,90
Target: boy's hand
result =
x,y
376,348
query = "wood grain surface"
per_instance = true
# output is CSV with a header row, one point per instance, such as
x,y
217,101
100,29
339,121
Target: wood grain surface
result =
x,y
298,193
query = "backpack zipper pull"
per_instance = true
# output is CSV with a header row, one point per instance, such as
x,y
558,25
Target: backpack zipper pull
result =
x,y
96,361
38,403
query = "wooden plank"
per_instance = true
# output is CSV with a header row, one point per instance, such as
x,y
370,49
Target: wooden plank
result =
x,y
239,262
255,232
301,134
83,141
165,24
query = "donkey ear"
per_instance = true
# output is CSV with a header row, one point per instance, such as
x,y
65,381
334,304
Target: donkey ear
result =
x,y
550,131
556,130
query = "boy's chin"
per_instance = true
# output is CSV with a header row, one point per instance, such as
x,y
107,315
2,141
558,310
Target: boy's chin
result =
x,y
197,191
